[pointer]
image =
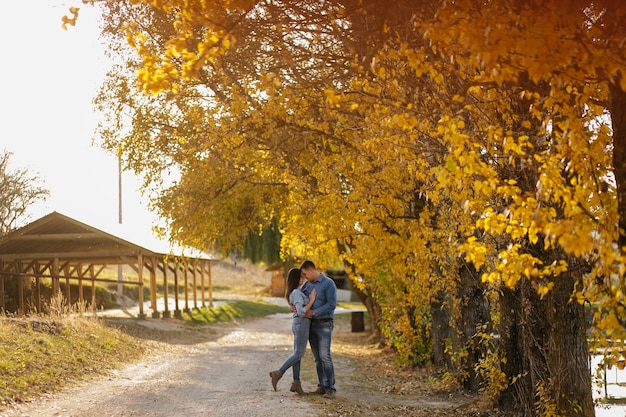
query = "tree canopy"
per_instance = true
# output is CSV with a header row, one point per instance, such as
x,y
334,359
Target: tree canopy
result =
x,y
438,149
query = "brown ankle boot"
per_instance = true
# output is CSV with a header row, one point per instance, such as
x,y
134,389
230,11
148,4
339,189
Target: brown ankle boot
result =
x,y
296,387
275,375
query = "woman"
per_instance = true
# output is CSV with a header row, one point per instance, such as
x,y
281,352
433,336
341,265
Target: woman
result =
x,y
300,327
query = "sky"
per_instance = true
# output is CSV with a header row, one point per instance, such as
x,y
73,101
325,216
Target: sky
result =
x,y
48,80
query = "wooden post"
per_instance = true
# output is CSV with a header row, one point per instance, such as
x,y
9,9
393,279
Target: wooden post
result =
x,y
166,308
20,287
81,295
153,296
202,283
210,283
37,271
177,312
141,315
93,288
68,294
195,284
55,277
2,302
186,283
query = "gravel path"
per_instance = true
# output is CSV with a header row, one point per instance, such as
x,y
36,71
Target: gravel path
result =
x,y
226,377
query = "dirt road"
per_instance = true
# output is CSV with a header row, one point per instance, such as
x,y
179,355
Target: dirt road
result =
x,y
225,377
225,373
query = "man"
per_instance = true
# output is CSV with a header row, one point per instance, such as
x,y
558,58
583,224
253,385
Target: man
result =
x,y
322,313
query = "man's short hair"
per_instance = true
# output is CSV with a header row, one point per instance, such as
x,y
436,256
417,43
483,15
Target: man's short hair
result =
x,y
307,265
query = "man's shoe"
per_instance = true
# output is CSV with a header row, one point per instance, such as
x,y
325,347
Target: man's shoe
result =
x,y
275,375
319,391
330,394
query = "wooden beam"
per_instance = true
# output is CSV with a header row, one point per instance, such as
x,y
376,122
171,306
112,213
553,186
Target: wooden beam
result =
x,y
70,255
58,236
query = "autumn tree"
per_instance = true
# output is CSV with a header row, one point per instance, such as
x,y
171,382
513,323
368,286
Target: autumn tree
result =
x,y
456,156
564,62
248,157
19,189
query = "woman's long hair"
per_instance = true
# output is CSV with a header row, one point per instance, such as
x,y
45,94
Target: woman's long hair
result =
x,y
293,281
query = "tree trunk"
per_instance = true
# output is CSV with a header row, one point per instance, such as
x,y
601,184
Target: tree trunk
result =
x,y
566,349
617,108
518,359
474,318
442,331
545,346
373,310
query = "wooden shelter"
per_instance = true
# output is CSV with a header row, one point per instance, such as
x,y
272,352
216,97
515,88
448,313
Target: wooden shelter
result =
x,y
57,247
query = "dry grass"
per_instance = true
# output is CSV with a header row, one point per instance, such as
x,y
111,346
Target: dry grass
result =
x,y
40,354
240,278
391,390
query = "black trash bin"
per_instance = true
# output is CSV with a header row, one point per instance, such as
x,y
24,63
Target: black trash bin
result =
x,y
357,321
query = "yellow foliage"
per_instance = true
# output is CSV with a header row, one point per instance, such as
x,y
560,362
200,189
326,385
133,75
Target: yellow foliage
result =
x,y
70,20
486,143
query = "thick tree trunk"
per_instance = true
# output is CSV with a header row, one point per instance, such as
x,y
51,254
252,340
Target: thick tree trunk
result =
x,y
442,331
617,108
517,330
474,317
545,346
373,310
567,351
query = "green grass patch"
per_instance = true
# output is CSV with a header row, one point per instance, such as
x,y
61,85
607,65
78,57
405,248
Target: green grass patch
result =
x,y
351,305
40,355
232,310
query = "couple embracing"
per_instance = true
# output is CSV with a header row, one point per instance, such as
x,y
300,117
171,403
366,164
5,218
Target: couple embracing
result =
x,y
313,298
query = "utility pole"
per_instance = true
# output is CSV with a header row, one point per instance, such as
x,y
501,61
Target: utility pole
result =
x,y
120,287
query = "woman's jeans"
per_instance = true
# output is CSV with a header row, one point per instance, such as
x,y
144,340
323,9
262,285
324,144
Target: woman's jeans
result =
x,y
321,337
300,327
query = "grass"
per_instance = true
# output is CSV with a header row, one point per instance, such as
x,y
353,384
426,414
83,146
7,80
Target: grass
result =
x,y
237,309
40,354
233,310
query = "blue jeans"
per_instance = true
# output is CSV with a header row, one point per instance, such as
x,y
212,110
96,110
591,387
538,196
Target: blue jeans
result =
x,y
320,337
300,328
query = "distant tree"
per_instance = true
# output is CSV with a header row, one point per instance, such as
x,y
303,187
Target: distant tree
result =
x,y
19,189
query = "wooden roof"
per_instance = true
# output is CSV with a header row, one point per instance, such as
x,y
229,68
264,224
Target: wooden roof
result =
x,y
58,236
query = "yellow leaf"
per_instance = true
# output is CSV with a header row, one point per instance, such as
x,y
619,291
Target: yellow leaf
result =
x,y
543,290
